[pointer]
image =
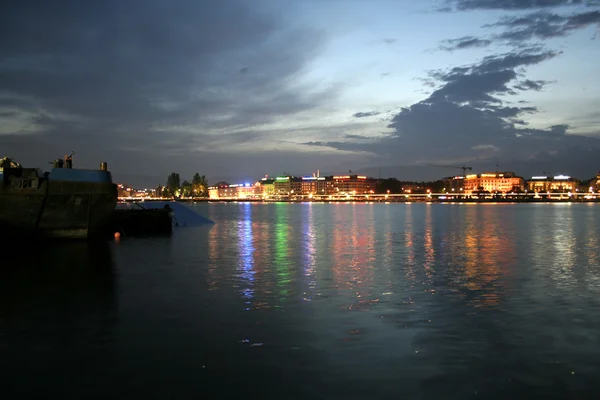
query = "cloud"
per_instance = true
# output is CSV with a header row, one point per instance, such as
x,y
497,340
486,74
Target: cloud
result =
x,y
365,114
485,147
464,5
389,40
543,25
528,84
144,86
466,118
479,83
526,27
464,42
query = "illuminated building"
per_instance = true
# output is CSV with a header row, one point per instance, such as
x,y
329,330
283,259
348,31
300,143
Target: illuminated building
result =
x,y
213,192
267,187
454,184
412,188
124,191
595,184
237,191
287,185
493,182
316,185
556,184
354,184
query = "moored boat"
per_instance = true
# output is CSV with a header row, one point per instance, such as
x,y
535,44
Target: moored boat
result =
x,y
63,203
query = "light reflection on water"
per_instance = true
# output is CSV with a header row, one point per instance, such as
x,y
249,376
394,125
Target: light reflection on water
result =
x,y
366,276
386,301
355,251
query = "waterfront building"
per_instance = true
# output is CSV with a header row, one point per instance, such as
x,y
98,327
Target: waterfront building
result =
x,y
287,185
454,184
126,192
493,182
316,185
235,191
555,184
353,184
594,184
267,187
123,191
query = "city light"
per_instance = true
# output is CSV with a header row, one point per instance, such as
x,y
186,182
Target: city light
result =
x,y
485,185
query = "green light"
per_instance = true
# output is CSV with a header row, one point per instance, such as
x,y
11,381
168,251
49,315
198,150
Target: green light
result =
x,y
281,248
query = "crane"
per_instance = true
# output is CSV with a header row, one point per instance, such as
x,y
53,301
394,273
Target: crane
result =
x,y
463,167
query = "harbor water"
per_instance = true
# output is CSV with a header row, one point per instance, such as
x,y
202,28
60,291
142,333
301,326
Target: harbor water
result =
x,y
313,301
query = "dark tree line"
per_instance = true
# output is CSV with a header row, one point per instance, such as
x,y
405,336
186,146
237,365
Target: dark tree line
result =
x,y
177,189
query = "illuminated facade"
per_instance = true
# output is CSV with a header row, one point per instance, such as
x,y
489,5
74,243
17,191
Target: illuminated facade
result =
x,y
287,185
595,184
556,184
267,187
454,184
313,185
493,182
126,192
291,186
241,191
353,184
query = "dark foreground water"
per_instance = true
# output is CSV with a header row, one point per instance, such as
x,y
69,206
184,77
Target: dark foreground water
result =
x,y
321,301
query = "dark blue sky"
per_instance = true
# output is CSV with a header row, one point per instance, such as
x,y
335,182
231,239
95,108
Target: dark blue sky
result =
x,y
237,89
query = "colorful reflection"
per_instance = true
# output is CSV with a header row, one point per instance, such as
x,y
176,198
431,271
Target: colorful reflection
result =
x,y
428,244
488,255
217,253
409,240
309,249
353,252
246,251
281,249
281,253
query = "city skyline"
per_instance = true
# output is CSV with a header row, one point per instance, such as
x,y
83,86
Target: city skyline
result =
x,y
222,87
505,181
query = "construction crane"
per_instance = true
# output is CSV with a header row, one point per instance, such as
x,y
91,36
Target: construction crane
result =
x,y
464,168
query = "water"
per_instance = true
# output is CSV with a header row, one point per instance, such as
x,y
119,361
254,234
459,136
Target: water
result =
x,y
317,301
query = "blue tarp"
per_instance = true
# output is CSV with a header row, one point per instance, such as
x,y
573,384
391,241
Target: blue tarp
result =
x,y
79,175
183,215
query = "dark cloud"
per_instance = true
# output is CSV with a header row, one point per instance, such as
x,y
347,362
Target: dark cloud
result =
x,y
543,25
479,83
463,5
465,118
464,42
145,83
359,137
390,40
523,28
528,84
365,114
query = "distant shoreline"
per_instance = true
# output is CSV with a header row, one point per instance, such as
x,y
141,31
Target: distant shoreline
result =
x,y
386,201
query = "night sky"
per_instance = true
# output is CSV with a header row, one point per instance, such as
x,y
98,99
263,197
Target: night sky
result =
x,y
237,89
